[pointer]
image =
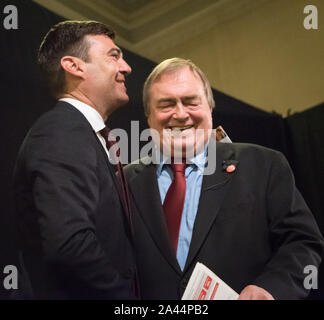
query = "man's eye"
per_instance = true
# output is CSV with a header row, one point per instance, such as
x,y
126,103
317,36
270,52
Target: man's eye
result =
x,y
165,106
192,104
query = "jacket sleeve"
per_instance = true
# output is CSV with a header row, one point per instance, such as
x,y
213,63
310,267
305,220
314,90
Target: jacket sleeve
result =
x,y
296,241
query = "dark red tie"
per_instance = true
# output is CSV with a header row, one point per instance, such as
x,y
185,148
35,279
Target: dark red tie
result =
x,y
124,192
174,202
122,181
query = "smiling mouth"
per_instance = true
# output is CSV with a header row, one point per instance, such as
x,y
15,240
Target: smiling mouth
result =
x,y
122,83
180,129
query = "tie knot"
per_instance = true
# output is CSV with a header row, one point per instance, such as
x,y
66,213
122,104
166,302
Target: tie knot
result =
x,y
178,167
110,140
105,132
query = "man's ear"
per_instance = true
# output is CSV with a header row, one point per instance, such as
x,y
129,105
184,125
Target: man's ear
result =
x,y
148,119
73,65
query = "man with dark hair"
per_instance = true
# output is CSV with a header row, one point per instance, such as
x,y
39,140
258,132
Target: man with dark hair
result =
x,y
245,220
75,237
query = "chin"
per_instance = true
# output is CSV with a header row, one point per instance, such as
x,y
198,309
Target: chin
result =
x,y
123,100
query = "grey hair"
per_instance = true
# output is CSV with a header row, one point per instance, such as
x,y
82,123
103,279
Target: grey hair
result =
x,y
170,66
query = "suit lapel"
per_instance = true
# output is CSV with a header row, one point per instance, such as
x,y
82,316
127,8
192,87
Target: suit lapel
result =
x,y
214,188
68,107
147,198
77,114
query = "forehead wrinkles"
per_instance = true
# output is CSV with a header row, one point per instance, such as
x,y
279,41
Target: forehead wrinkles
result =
x,y
180,83
183,74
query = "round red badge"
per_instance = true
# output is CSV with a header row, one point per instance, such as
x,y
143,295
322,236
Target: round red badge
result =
x,y
230,168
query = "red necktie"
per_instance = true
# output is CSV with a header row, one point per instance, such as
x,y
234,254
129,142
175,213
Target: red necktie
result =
x,y
122,181
174,202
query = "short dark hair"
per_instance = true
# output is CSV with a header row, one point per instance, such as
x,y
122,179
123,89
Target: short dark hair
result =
x,y
66,38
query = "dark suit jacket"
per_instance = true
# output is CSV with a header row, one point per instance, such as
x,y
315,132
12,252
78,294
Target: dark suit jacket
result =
x,y
252,227
73,234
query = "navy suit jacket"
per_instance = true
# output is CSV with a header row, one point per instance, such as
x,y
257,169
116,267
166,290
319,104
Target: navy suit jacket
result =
x,y
73,234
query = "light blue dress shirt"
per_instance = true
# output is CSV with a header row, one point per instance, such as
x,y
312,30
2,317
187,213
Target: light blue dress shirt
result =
x,y
194,176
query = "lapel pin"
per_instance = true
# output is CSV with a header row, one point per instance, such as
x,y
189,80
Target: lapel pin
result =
x,y
229,165
230,168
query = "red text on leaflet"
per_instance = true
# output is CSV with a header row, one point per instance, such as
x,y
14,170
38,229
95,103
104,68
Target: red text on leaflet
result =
x,y
202,295
207,282
214,291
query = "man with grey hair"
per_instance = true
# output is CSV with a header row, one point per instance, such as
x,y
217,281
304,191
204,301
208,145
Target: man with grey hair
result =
x,y
246,221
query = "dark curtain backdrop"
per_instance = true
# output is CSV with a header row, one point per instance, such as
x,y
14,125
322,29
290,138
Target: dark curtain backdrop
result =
x,y
24,98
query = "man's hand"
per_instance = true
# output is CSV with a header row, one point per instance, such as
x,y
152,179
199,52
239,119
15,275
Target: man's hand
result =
x,y
255,293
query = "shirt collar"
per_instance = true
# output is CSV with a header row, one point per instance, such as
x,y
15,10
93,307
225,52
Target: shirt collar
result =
x,y
91,114
199,161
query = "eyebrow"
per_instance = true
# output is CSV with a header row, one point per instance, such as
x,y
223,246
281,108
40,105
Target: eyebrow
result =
x,y
193,97
117,50
165,100
185,98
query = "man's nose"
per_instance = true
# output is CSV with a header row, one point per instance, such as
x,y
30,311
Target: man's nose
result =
x,y
124,67
180,112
